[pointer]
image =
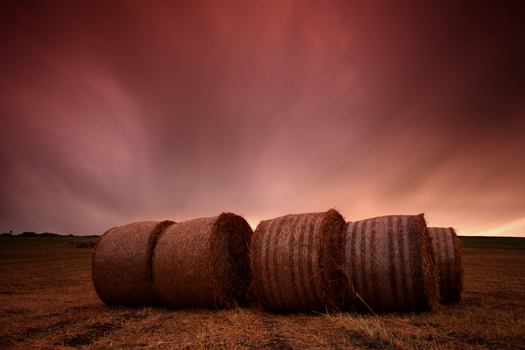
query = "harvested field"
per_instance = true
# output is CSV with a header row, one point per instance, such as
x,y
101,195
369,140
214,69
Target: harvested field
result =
x,y
492,242
390,265
447,245
47,301
296,262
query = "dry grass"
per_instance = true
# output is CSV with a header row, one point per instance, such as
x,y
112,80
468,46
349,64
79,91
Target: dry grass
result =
x,y
47,301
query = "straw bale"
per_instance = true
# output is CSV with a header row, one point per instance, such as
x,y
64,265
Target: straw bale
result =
x,y
390,265
83,244
297,262
121,263
204,263
447,246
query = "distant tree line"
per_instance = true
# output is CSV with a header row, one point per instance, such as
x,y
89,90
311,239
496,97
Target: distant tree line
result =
x,y
45,234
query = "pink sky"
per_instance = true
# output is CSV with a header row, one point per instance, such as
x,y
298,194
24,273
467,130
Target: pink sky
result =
x,y
123,111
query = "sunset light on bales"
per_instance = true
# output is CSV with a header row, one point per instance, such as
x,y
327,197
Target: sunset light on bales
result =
x,y
126,111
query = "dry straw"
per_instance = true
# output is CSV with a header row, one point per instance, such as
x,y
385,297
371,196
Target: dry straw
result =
x,y
204,263
390,265
446,246
296,262
121,263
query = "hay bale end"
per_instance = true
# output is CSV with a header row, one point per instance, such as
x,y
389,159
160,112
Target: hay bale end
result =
x,y
204,263
121,263
447,247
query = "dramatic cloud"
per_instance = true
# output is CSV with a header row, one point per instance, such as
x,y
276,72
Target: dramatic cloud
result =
x,y
129,110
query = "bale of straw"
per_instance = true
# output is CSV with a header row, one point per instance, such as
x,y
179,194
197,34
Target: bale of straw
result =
x,y
390,265
83,244
121,263
447,246
204,263
296,262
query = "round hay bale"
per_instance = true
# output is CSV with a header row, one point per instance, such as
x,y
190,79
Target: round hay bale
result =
x,y
204,263
121,263
390,265
297,260
82,244
447,247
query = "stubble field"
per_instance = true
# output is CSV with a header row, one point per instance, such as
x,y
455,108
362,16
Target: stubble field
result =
x,y
47,301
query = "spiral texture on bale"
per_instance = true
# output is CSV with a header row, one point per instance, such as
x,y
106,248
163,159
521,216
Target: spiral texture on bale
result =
x,y
297,260
121,263
204,263
390,265
447,246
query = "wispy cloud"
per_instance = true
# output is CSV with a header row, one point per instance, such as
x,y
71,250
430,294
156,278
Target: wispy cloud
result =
x,y
126,111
